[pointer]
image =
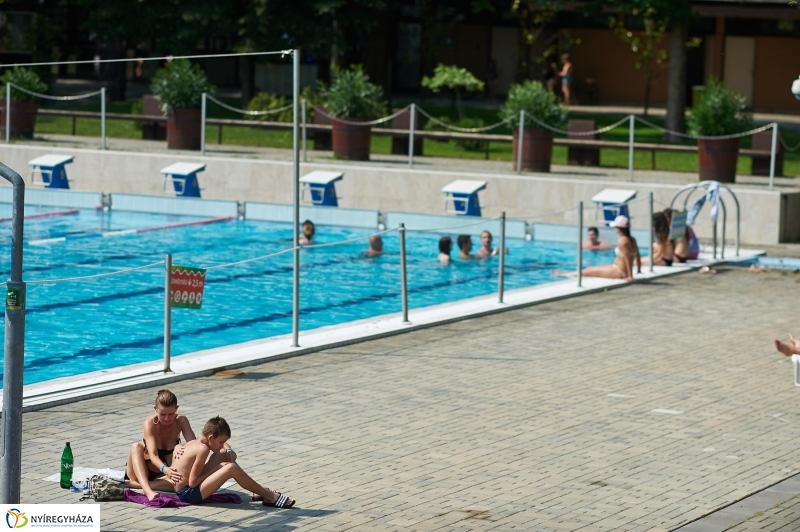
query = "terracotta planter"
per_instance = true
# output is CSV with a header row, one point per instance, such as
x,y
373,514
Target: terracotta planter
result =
x,y
23,118
351,141
717,159
537,149
183,129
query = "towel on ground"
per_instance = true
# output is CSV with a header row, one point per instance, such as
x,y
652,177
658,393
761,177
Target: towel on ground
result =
x,y
162,500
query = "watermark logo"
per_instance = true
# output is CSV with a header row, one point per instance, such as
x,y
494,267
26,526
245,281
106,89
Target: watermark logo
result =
x,y
16,518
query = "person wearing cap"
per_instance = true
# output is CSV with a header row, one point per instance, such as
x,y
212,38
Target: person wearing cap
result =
x,y
627,252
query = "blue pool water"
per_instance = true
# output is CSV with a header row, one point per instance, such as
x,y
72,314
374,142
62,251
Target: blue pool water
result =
x,y
83,326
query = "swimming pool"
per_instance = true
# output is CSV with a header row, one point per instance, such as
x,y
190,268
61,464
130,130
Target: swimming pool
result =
x,y
82,326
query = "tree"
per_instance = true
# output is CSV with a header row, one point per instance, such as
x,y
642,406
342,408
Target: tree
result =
x,y
533,16
455,79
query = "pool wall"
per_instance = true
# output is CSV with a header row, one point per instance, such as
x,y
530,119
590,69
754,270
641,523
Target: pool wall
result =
x,y
768,217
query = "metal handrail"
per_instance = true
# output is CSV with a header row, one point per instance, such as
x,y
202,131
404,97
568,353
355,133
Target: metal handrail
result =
x,y
689,189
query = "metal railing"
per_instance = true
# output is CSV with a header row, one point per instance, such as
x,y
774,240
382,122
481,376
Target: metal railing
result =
x,y
688,190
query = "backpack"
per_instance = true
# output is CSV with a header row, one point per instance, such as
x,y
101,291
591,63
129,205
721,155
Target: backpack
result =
x,y
103,489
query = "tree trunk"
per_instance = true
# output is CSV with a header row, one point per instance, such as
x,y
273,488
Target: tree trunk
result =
x,y
676,85
246,75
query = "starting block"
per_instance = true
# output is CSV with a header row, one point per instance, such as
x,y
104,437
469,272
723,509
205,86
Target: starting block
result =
x,y
464,197
51,169
614,202
322,187
183,177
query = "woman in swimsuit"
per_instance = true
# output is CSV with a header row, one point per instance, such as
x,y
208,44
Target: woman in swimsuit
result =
x,y
663,251
627,253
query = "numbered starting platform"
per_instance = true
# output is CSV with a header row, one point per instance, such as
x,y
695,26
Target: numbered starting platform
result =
x,y
461,197
50,168
321,187
614,202
183,177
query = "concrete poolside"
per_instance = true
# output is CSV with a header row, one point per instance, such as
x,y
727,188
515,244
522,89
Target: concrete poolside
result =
x,y
633,409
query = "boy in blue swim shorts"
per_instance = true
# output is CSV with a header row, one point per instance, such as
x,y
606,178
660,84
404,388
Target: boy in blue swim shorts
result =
x,y
200,479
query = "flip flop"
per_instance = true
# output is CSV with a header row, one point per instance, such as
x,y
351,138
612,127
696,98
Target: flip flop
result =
x,y
259,498
282,502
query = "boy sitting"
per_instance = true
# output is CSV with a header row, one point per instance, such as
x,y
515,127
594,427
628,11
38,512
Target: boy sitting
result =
x,y
199,479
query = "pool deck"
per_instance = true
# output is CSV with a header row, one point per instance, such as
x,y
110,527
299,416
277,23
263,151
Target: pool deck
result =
x,y
644,408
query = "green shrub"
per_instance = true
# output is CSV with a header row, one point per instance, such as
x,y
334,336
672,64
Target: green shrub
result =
x,y
25,78
264,101
352,95
719,111
455,79
538,102
471,145
180,85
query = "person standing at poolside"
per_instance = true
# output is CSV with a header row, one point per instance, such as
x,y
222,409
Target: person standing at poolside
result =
x,y
445,247
375,246
465,247
307,232
593,240
566,78
627,255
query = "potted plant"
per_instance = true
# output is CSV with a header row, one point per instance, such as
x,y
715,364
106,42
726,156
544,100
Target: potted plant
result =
x,y
352,98
541,104
24,107
455,79
719,112
179,87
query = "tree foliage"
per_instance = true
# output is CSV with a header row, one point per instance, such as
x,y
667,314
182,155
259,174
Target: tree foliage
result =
x,y
537,102
720,111
455,79
180,85
352,95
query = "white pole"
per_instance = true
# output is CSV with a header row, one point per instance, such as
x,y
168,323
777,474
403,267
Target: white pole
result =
x,y
773,154
520,142
651,233
580,244
8,113
501,277
167,312
411,125
203,125
103,116
403,273
296,197
305,157
630,149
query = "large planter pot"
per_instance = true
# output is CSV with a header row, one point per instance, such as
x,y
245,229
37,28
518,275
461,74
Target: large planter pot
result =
x,y
537,149
183,129
23,118
351,141
717,159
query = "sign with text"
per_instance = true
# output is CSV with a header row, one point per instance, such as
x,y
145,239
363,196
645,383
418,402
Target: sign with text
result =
x,y
47,517
187,286
678,226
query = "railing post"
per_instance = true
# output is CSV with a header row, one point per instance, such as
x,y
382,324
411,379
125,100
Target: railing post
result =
x,y
305,156
772,155
8,113
650,210
403,276
501,275
296,197
520,141
580,244
14,358
103,116
203,124
167,312
714,238
411,126
631,127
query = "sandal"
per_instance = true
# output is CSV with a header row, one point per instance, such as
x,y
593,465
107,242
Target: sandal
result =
x,y
282,502
259,498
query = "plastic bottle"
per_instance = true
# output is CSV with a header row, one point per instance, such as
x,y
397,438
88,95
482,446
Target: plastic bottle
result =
x,y
66,467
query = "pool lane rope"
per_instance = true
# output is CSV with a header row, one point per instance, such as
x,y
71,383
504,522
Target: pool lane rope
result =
x,y
44,215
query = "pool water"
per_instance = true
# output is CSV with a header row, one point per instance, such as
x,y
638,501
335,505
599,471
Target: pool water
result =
x,y
81,326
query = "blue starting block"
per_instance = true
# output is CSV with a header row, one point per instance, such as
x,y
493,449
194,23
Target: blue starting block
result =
x,y
464,197
51,169
614,202
183,177
322,187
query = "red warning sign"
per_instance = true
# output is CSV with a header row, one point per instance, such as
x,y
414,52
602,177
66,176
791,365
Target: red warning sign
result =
x,y
187,287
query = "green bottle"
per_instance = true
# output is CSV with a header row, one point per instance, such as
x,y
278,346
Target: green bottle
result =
x,y
66,467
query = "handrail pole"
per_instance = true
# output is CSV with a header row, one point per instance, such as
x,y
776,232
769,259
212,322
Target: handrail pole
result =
x,y
305,154
296,198
652,228
724,223
103,116
520,141
8,113
167,312
501,276
13,364
772,156
203,124
580,244
630,147
411,125
403,273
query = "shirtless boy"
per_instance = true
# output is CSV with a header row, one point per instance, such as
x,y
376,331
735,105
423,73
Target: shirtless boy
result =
x,y
200,477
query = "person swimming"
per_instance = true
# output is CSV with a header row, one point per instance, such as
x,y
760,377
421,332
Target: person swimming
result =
x,y
465,247
375,246
445,248
307,232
